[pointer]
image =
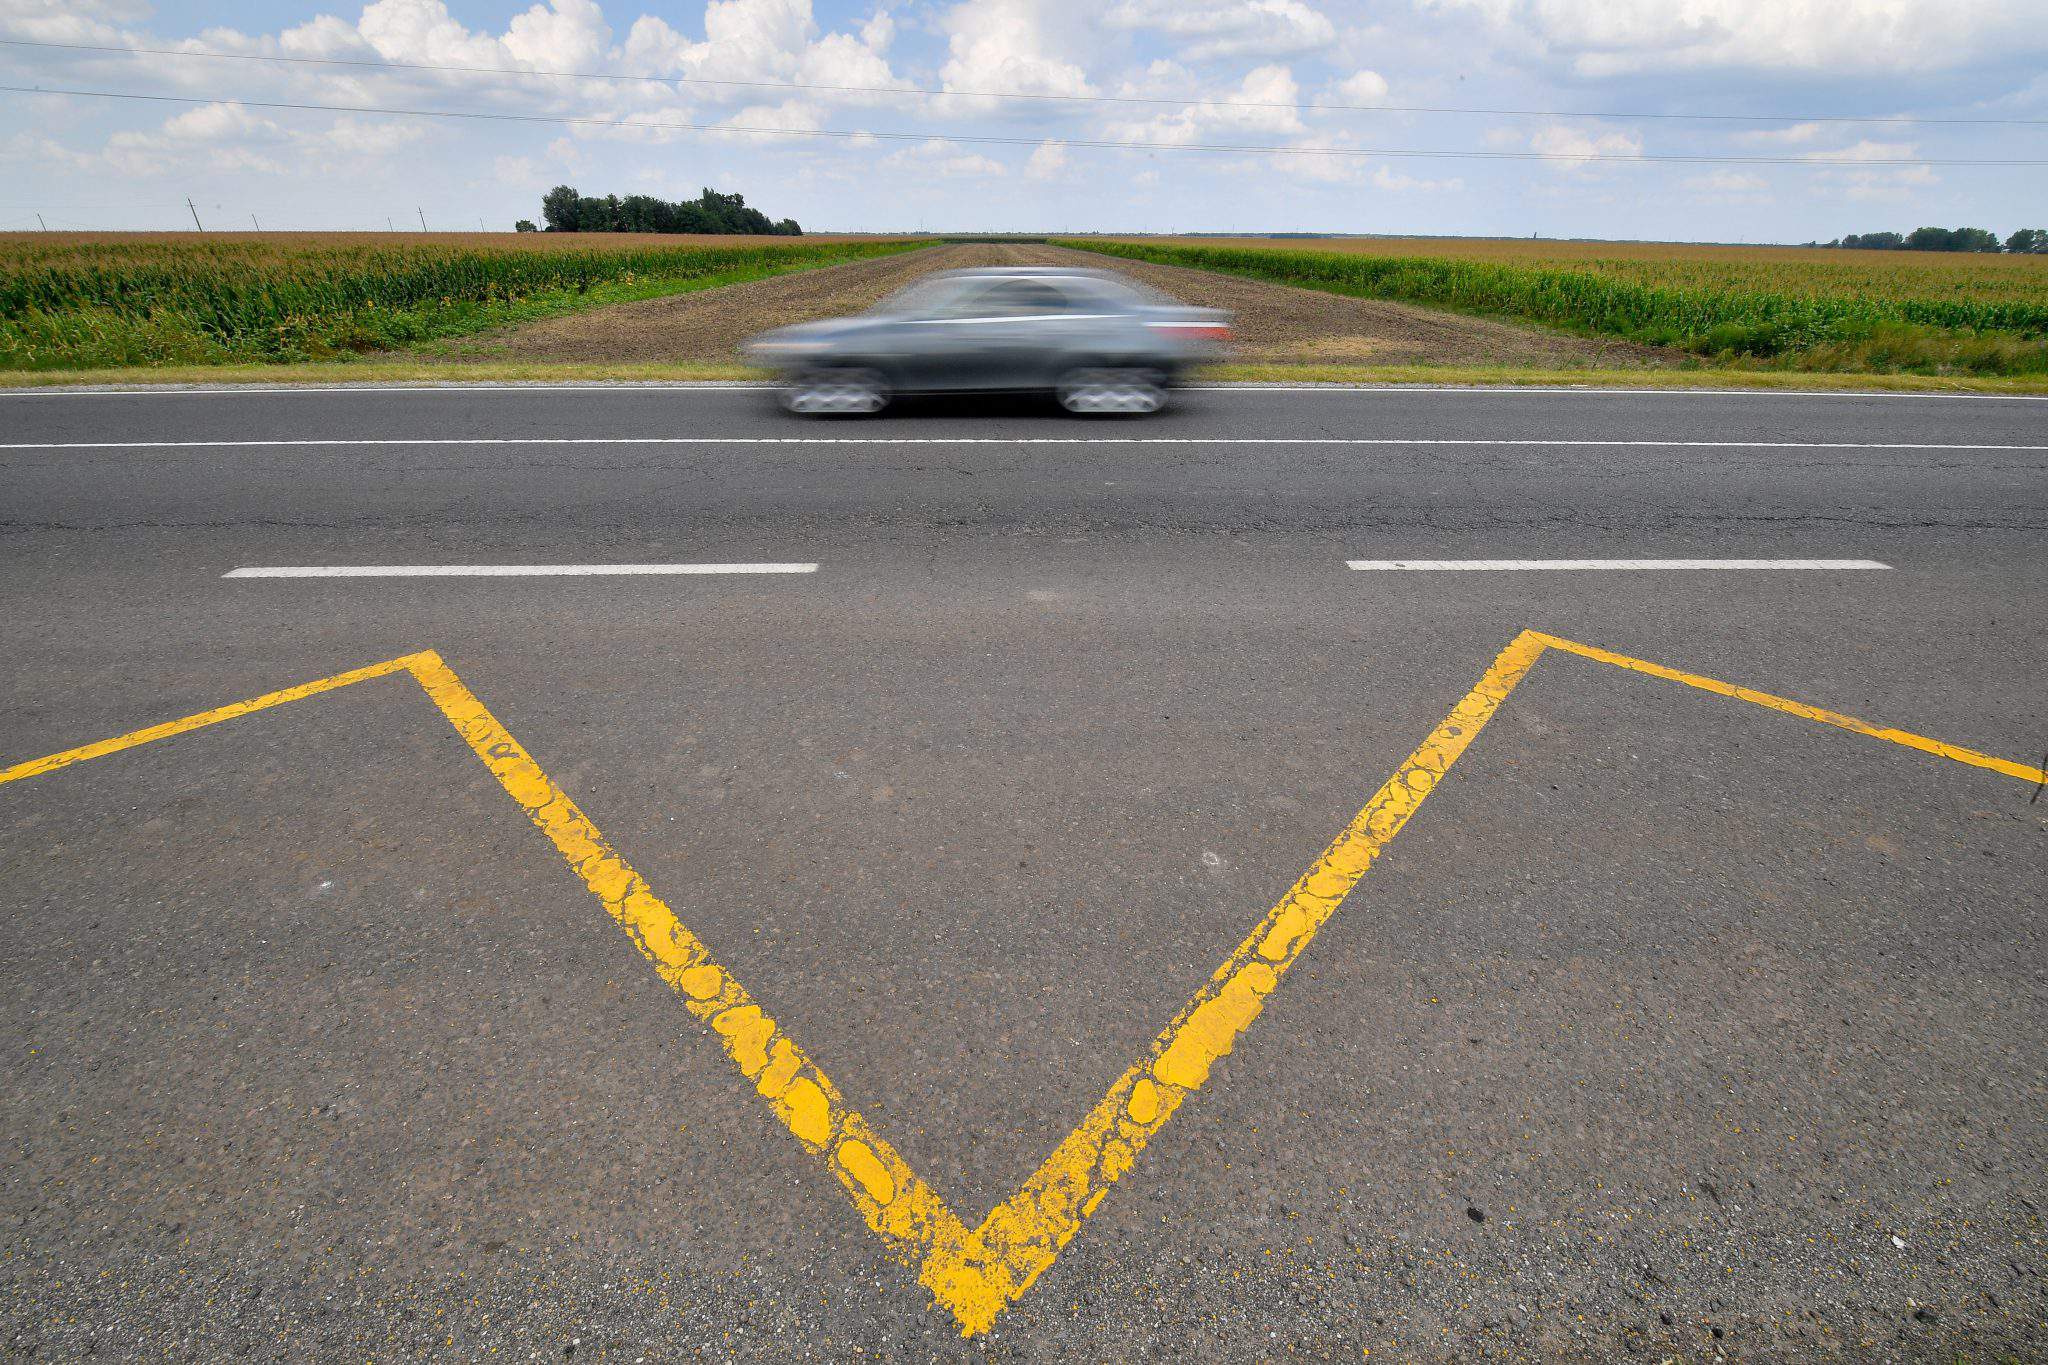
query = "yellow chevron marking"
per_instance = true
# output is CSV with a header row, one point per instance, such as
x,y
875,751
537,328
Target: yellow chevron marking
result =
x,y
976,1273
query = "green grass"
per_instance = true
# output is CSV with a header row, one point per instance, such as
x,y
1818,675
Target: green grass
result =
x,y
1793,328
96,303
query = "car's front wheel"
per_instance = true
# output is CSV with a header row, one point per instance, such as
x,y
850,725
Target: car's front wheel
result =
x,y
1110,390
837,392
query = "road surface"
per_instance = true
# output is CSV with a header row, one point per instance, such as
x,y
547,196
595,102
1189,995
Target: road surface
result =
x,y
1674,1023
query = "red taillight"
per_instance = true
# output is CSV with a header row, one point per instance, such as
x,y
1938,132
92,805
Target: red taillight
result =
x,y
1195,331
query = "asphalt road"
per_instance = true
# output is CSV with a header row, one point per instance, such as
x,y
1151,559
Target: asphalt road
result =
x,y
1671,1025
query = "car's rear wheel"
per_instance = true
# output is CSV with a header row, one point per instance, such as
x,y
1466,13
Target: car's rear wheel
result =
x,y
1110,390
837,392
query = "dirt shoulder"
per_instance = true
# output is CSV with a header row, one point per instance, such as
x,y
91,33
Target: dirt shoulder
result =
x,y
1275,325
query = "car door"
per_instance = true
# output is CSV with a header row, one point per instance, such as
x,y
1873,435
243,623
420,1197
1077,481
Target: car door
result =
x,y
1001,336
957,343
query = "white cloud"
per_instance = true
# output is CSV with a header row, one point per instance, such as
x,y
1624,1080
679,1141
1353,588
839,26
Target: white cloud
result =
x,y
1258,105
1363,87
1573,149
1879,181
1229,28
934,157
424,31
1048,161
79,21
212,137
1265,56
1011,45
370,137
1794,135
562,35
1603,38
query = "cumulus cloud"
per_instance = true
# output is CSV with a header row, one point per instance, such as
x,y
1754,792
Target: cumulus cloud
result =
x,y
1027,46
80,21
1209,29
1362,87
1574,149
934,157
1603,38
1878,181
1048,161
1255,105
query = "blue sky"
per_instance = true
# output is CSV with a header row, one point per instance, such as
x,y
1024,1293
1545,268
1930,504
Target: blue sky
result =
x,y
127,164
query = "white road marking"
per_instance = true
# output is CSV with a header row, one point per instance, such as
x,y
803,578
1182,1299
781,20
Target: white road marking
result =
x,y
1546,442
260,390
722,386
1593,391
504,570
1457,565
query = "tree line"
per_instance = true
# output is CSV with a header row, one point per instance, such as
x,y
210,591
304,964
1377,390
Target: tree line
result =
x,y
2025,242
564,210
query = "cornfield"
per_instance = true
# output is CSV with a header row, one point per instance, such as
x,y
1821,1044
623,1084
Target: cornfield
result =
x,y
120,299
1975,311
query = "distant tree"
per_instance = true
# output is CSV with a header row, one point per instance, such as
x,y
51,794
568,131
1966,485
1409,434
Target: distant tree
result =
x,y
1950,239
567,211
559,209
2028,242
524,225
1872,241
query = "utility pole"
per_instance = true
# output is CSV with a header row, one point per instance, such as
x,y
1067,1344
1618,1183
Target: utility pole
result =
x,y
423,216
40,223
195,214
252,219
387,224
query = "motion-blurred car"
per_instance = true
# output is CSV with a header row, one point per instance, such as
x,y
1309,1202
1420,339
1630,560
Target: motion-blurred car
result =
x,y
1094,341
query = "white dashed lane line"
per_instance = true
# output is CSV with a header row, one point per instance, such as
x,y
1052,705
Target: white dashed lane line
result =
x,y
506,570
1515,565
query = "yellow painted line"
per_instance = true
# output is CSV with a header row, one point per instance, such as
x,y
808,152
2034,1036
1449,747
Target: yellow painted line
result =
x,y
897,1205
1800,709
1023,1235
976,1273
51,762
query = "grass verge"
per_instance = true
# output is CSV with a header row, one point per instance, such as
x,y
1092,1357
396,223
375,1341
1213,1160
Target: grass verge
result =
x,y
387,371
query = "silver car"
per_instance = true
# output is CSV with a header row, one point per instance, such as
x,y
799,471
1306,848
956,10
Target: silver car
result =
x,y
1093,340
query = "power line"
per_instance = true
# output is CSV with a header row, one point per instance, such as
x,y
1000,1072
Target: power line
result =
x,y
1899,119
978,139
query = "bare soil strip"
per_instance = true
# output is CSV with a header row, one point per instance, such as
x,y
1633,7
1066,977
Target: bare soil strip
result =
x,y
1274,324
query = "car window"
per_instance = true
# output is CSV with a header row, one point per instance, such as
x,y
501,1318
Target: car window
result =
x,y
929,297
1023,298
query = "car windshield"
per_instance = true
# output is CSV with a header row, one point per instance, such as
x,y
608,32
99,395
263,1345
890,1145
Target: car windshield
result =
x,y
926,297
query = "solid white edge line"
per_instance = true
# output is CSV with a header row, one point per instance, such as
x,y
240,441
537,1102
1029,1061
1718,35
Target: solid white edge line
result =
x,y
1512,565
1538,442
507,570
719,386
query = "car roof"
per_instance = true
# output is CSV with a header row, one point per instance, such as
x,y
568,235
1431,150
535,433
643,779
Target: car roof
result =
x,y
988,272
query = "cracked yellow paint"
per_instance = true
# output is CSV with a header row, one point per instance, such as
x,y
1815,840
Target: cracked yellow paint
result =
x,y
976,1273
